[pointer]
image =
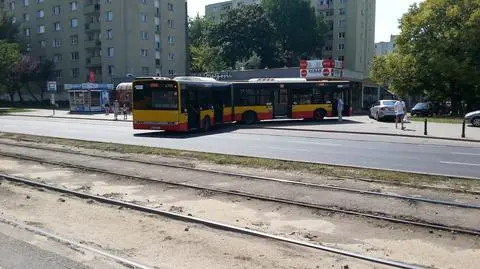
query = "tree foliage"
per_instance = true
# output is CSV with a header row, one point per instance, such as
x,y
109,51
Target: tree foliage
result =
x,y
437,52
8,30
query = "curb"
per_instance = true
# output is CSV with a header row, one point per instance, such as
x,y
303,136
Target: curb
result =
x,y
370,133
277,128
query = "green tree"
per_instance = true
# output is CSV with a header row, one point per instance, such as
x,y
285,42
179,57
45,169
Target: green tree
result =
x,y
8,30
245,32
299,30
9,57
442,37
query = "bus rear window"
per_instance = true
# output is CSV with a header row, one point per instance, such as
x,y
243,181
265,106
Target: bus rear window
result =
x,y
155,95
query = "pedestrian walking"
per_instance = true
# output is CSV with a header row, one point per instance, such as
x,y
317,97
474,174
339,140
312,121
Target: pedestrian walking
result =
x,y
125,111
107,109
399,113
340,106
116,109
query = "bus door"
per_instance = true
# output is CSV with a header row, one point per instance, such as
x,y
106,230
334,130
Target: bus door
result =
x,y
193,109
218,104
281,106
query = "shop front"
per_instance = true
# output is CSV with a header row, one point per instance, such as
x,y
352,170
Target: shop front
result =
x,y
89,97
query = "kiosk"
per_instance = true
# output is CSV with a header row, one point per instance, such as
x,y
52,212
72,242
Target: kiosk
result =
x,y
88,97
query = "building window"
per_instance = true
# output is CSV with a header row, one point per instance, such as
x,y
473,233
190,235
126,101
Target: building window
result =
x,y
75,72
170,6
109,16
109,35
26,3
58,74
171,72
111,69
144,52
341,35
171,24
74,23
341,46
144,35
56,43
40,1
341,58
342,23
343,11
40,13
110,52
74,39
41,29
56,26
11,6
56,10
73,5
171,40
57,58
14,19
143,18
145,70
143,2
26,17
75,56
43,44
171,56
27,31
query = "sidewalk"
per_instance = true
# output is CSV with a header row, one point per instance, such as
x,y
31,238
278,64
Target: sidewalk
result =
x,y
364,125
354,125
43,113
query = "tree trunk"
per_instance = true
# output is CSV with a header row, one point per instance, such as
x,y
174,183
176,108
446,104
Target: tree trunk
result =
x,y
12,96
29,90
20,96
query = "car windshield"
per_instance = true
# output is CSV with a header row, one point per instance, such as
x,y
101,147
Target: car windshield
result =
x,y
420,106
388,103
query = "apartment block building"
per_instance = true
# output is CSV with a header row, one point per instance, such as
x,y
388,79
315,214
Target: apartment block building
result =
x,y
101,40
351,36
384,48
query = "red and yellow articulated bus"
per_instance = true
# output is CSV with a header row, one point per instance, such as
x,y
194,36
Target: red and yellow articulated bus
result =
x,y
190,103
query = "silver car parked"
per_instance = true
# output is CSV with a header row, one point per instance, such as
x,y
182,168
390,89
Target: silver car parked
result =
x,y
383,109
474,118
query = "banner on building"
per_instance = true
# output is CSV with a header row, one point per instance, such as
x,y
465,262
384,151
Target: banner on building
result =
x,y
321,69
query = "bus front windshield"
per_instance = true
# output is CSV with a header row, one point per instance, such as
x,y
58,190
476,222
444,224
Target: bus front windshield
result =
x,y
154,95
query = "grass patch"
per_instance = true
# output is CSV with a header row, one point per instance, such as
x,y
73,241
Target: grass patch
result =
x,y
262,163
5,111
451,120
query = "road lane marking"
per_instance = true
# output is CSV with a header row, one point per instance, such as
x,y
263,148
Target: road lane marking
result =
x,y
464,164
467,154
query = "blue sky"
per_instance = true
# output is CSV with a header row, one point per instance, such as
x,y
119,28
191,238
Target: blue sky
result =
x,y
388,14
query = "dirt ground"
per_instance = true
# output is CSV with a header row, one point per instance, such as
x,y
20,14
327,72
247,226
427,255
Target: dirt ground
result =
x,y
156,241
377,238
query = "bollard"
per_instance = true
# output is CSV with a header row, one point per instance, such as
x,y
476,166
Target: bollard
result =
x,y
425,132
463,129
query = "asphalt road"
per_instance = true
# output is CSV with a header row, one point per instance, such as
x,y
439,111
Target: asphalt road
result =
x,y
393,153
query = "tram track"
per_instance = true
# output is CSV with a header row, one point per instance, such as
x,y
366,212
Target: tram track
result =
x,y
372,215
201,221
271,179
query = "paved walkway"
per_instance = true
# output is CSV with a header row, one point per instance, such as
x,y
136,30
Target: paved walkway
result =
x,y
355,124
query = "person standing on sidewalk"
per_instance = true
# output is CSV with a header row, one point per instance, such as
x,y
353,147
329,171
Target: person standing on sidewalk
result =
x,y
340,106
399,113
125,111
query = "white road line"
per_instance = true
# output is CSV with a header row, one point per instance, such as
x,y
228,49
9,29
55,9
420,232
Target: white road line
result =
x,y
467,154
464,164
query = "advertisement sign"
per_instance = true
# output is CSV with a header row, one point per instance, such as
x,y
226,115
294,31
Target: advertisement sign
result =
x,y
321,69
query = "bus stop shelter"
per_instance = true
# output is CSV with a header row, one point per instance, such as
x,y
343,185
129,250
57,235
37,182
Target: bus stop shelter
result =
x,y
88,97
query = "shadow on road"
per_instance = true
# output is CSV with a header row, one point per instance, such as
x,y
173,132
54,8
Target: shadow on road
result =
x,y
235,127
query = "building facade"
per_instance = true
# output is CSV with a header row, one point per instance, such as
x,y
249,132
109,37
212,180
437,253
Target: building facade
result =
x,y
351,36
100,40
384,48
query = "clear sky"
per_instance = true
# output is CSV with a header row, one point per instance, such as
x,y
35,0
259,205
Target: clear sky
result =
x,y
388,14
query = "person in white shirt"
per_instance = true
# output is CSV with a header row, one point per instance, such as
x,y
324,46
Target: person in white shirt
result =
x,y
340,106
399,112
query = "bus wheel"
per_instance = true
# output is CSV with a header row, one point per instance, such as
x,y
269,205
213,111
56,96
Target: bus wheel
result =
x,y
319,114
206,123
249,117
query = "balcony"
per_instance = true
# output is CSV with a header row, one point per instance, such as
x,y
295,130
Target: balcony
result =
x,y
93,61
95,43
90,9
94,26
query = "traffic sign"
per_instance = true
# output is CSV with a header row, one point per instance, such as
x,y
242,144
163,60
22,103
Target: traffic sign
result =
x,y
52,86
326,72
304,73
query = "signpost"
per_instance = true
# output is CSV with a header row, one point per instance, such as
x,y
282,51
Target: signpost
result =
x,y
52,89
